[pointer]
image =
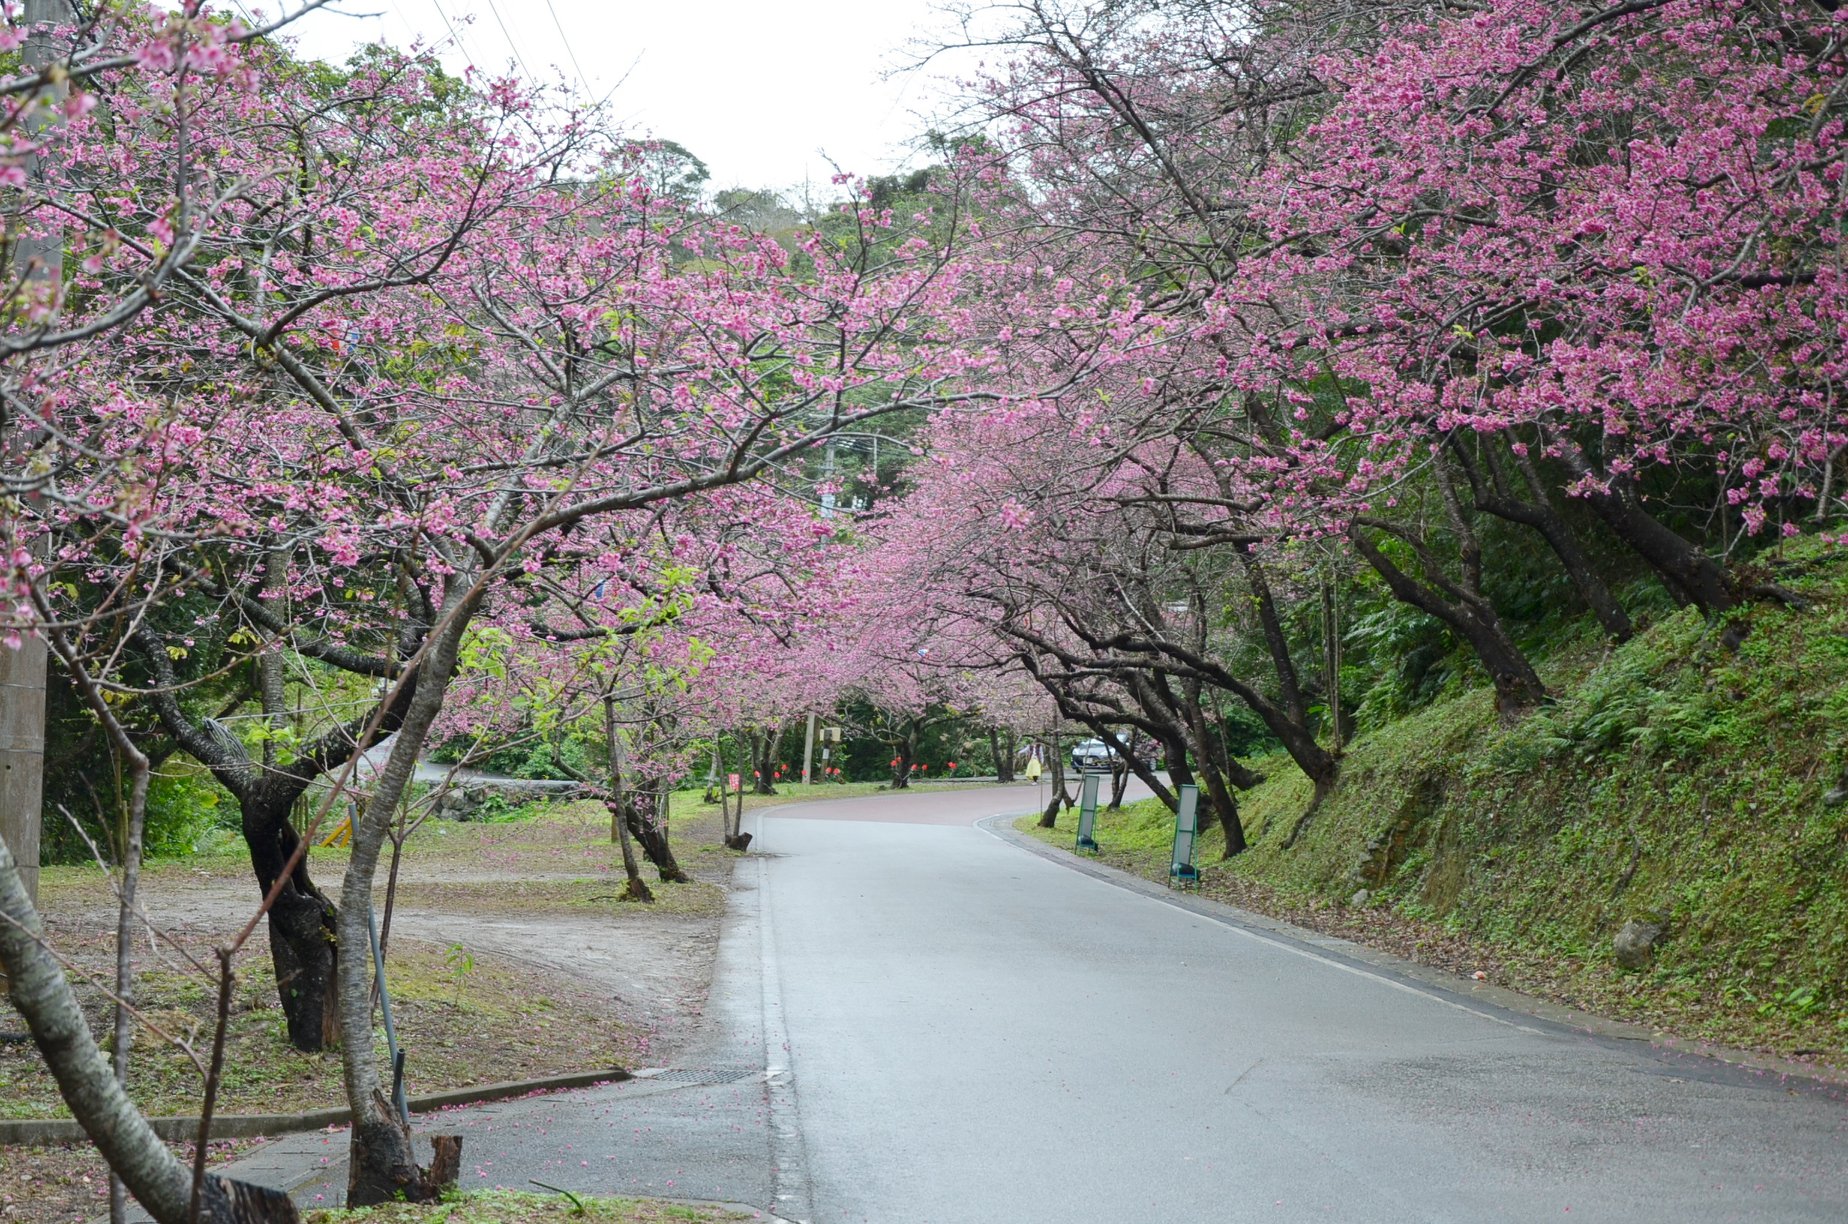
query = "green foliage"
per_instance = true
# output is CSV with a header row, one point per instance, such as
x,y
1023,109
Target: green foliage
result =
x,y
1401,659
525,758
461,963
185,806
1245,733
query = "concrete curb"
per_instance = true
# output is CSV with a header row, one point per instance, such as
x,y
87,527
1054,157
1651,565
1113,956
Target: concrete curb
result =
x,y
1496,1002
262,1126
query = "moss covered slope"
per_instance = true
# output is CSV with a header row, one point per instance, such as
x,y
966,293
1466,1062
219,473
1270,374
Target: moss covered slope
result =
x,y
1681,778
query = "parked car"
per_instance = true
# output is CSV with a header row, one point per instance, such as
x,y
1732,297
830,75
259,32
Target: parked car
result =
x,y
1092,754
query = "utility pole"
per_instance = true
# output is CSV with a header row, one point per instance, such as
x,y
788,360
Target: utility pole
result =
x,y
808,750
39,260
828,499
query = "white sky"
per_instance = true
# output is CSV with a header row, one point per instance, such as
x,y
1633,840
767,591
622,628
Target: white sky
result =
x,y
759,91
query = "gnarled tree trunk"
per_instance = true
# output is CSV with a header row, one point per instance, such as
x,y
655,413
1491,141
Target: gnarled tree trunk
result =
x,y
647,825
303,945
40,993
1495,495
303,923
1684,567
1466,612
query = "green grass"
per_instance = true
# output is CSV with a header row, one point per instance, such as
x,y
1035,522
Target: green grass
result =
x,y
489,1022
1676,778
504,1207
492,1021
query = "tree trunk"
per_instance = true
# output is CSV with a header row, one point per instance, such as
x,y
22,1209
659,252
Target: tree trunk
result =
x,y
303,945
1690,575
1216,767
40,993
763,749
1225,809
735,836
1004,759
1154,695
1049,818
650,830
1684,567
1289,686
394,1175
1494,495
1119,783
1071,709
382,1161
903,753
1517,686
303,923
1129,760
635,889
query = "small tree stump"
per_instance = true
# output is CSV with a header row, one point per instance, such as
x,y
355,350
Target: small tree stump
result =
x,y
383,1170
223,1201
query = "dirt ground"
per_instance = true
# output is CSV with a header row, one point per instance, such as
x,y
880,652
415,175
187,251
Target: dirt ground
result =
x,y
510,958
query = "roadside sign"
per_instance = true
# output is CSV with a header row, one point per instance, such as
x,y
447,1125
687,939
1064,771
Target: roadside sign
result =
x,y
1186,829
1087,810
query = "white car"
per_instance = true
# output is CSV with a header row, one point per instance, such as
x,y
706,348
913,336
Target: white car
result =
x,y
1092,754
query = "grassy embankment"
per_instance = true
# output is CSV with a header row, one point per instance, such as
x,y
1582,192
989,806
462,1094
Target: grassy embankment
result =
x,y
1679,778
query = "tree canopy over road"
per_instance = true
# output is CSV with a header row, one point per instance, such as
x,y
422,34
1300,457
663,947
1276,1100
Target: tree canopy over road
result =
x,y
1237,379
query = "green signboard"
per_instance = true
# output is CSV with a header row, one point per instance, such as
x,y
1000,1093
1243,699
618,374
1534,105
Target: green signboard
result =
x,y
1087,810
1186,830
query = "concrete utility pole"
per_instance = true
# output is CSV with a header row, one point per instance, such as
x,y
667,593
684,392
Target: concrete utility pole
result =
x,y
39,258
808,750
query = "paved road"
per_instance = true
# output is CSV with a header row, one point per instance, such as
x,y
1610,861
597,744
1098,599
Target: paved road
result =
x,y
917,1022
979,1034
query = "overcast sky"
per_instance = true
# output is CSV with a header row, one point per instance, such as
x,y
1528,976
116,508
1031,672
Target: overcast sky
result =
x,y
757,89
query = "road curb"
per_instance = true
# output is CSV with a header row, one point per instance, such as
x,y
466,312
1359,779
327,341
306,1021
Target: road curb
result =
x,y
29,1131
1496,1002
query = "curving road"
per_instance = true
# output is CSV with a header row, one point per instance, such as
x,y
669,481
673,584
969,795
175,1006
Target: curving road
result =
x,y
977,1033
916,1020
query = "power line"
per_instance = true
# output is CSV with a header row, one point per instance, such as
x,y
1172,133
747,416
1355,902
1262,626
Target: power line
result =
x,y
518,58
454,34
583,77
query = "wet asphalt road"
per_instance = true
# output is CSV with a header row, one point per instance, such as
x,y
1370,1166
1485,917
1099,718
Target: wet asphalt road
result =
x,y
978,1034
916,1021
